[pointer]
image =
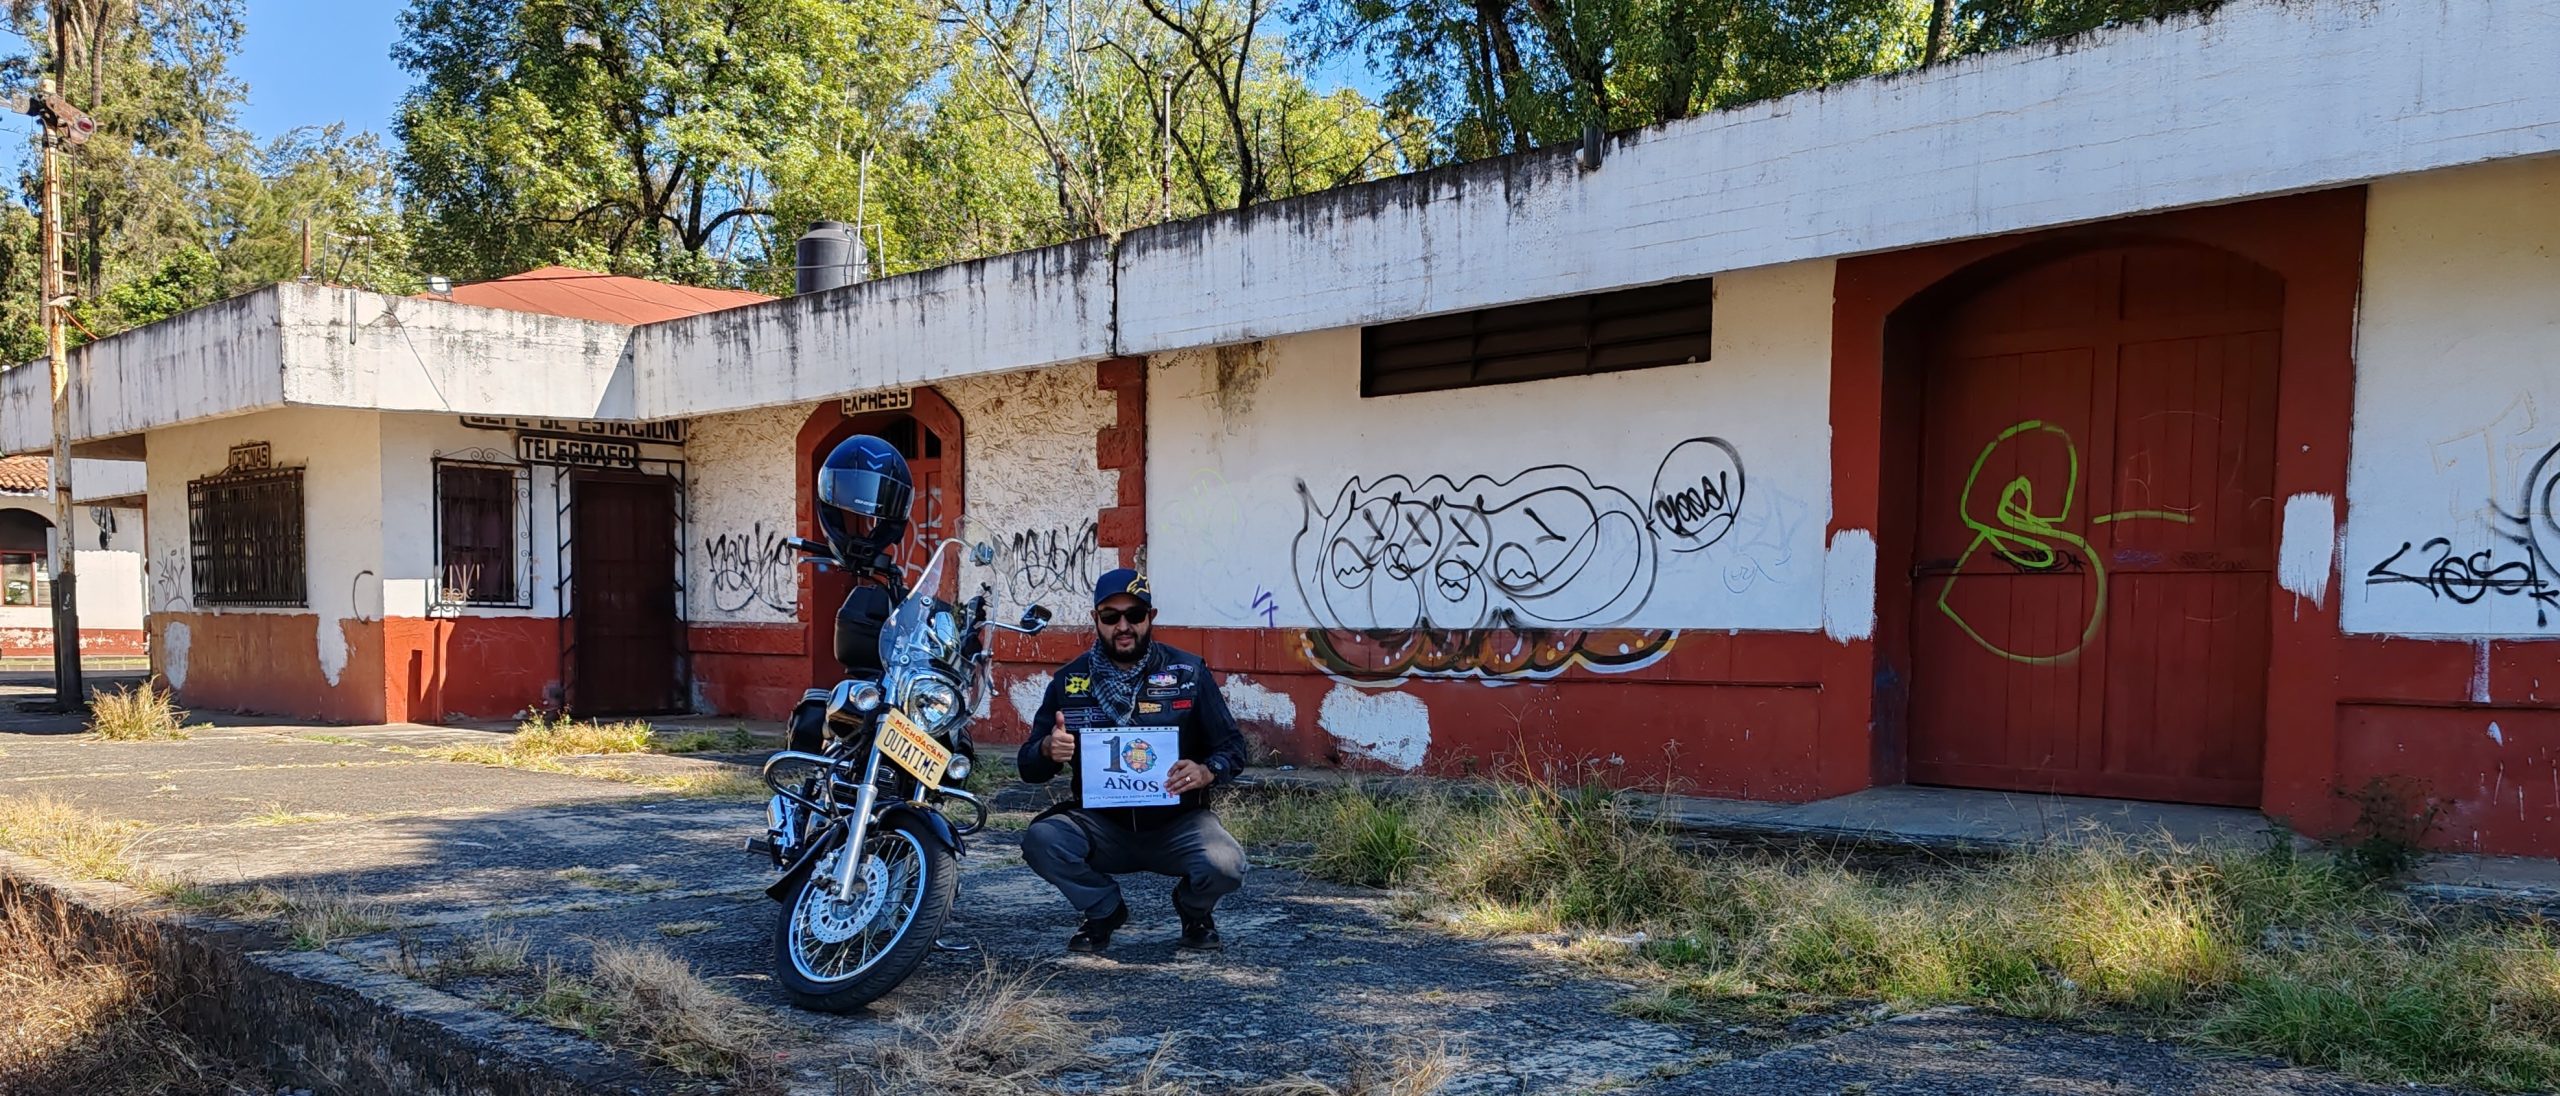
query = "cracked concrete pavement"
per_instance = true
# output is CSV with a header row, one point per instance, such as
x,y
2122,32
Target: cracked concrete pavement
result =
x,y
1312,970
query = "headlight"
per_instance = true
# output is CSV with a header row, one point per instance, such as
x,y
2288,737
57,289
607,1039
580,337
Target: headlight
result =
x,y
932,701
852,698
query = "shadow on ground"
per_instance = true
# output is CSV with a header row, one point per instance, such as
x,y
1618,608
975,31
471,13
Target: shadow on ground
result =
x,y
453,851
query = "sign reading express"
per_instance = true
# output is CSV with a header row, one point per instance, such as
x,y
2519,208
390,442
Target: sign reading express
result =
x,y
578,452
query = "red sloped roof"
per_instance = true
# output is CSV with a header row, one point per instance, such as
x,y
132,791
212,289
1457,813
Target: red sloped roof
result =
x,y
25,475
586,295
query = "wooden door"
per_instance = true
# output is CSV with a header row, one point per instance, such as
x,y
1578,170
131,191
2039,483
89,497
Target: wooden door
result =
x,y
930,519
622,583
2096,539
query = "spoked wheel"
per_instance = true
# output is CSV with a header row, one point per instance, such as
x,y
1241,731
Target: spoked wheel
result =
x,y
837,956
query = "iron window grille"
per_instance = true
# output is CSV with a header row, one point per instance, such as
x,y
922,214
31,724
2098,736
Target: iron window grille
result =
x,y
1575,336
245,535
479,534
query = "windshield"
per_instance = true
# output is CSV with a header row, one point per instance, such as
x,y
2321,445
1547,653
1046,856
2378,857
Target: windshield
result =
x,y
924,628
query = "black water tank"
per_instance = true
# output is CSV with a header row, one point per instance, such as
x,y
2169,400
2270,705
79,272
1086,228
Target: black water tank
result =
x,y
827,256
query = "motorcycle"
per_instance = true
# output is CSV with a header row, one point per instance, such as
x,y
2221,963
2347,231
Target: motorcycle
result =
x,y
869,858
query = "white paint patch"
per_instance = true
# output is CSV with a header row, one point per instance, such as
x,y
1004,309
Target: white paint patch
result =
x,y
173,654
1389,726
2304,556
1849,586
1251,703
333,649
2496,735
1026,695
2480,673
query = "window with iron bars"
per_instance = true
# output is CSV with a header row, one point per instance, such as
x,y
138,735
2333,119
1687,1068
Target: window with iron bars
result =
x,y
245,534
1570,337
476,508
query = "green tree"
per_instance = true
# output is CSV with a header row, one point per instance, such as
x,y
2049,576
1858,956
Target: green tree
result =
x,y
652,136
170,205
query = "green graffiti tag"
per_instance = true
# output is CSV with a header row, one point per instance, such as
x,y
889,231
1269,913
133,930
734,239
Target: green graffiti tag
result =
x,y
2032,540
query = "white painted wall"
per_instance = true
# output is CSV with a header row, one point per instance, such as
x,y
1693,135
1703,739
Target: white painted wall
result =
x,y
743,471
1233,539
342,493
2261,97
2457,432
109,543
1033,493
1009,312
2256,98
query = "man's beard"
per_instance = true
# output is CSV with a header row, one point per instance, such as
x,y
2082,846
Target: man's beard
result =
x,y
1135,650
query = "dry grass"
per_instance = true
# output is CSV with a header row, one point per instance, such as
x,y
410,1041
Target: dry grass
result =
x,y
314,917
276,815
618,882
1000,1037
83,844
678,929
558,745
2253,949
142,713
96,1023
641,997
486,954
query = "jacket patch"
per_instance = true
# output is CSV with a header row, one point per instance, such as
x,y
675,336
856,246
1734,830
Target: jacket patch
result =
x,y
1079,685
1149,707
1164,680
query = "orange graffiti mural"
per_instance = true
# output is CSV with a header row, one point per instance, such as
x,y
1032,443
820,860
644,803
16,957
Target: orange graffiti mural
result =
x,y
1491,653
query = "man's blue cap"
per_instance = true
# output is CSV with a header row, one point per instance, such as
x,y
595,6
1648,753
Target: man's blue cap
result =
x,y
1124,581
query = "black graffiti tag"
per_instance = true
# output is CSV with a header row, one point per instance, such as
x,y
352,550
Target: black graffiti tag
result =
x,y
752,567
1697,494
2532,526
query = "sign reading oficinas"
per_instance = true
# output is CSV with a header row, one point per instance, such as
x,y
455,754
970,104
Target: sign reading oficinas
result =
x,y
670,432
887,399
256,456
620,456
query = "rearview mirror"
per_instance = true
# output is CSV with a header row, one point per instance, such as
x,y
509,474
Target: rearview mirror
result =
x,y
1035,618
982,553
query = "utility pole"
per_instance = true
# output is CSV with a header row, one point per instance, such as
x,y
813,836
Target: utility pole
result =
x,y
64,125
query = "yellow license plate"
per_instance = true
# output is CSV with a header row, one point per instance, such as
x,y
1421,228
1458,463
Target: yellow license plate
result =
x,y
911,749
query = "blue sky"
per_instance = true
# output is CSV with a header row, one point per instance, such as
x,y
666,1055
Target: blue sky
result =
x,y
313,62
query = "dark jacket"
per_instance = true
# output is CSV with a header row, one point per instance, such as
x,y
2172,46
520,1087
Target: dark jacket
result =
x,y
1183,694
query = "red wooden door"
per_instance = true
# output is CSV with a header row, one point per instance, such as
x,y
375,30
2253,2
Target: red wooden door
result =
x,y
929,520
622,583
2097,534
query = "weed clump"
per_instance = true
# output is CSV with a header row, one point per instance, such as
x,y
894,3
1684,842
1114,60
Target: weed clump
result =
x,y
143,713
642,997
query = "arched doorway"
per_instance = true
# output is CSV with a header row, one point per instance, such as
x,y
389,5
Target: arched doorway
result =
x,y
930,435
2095,533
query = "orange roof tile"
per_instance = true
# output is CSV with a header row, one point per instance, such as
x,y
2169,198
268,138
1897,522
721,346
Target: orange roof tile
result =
x,y
25,475
586,295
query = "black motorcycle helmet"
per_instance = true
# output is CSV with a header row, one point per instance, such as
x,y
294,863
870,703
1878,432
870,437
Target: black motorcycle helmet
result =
x,y
864,489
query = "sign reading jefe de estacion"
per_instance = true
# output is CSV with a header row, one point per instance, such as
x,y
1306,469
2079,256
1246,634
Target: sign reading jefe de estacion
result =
x,y
578,452
655,433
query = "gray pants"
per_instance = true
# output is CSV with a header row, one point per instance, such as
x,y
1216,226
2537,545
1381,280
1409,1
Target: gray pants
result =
x,y
1079,854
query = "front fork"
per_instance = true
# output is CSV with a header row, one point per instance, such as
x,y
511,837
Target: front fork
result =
x,y
858,828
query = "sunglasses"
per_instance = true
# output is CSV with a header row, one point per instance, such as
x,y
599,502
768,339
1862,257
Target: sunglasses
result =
x,y
1112,617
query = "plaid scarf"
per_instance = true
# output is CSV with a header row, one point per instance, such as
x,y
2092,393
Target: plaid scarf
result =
x,y
1115,686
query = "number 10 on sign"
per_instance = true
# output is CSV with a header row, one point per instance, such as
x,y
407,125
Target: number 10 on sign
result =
x,y
1126,766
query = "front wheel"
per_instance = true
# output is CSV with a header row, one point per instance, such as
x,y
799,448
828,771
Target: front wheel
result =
x,y
835,956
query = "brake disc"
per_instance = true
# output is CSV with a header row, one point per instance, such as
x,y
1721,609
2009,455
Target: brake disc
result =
x,y
832,920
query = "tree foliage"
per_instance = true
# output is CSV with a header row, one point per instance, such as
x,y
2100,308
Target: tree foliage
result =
x,y
1498,76
171,205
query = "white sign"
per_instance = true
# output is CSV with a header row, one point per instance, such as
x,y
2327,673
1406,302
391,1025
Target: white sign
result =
x,y
1125,766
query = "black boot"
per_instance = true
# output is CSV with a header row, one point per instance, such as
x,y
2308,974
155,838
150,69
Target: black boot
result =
x,y
1095,934
1199,930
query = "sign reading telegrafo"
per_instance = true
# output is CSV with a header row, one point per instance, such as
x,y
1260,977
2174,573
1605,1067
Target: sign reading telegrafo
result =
x,y
621,456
